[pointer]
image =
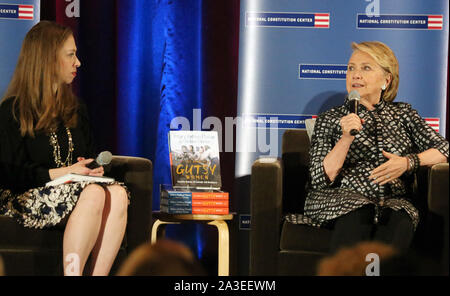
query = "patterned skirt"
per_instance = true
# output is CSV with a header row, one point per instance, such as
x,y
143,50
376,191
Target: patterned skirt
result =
x,y
44,206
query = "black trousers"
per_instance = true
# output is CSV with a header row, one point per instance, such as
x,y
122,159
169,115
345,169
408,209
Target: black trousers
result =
x,y
394,228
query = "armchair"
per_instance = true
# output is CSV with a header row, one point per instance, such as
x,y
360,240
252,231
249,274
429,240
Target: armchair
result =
x,y
39,251
279,187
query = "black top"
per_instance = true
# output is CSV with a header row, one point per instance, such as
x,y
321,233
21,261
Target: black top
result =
x,y
393,127
25,161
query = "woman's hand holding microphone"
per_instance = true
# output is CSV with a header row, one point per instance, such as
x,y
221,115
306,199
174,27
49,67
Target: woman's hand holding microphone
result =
x,y
81,165
351,122
77,168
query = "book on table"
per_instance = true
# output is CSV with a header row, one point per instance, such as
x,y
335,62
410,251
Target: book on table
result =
x,y
196,179
70,178
194,160
184,201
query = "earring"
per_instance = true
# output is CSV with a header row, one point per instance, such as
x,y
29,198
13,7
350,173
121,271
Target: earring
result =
x,y
383,87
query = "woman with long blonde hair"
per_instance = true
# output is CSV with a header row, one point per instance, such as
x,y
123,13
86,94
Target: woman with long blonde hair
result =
x,y
44,134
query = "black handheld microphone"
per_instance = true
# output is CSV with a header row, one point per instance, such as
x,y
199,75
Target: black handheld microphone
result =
x,y
353,102
104,158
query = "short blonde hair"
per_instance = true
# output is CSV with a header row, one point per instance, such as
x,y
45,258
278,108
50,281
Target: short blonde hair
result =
x,y
386,59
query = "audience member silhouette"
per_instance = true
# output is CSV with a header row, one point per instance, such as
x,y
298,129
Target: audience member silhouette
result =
x,y
351,261
358,260
164,258
2,270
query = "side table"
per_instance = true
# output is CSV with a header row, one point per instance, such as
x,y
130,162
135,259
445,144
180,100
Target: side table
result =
x,y
162,219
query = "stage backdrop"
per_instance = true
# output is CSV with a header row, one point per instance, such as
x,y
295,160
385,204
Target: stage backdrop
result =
x,y
292,66
16,18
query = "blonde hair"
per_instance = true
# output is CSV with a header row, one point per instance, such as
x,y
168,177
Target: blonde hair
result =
x,y
386,59
36,104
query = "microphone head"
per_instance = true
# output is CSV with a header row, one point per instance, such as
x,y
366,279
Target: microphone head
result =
x,y
104,158
354,95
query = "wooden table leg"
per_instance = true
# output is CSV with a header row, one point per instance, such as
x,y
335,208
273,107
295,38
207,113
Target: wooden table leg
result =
x,y
155,227
224,247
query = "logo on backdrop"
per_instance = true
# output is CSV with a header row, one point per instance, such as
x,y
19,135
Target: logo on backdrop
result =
x,y
403,22
321,71
277,121
17,11
434,123
287,19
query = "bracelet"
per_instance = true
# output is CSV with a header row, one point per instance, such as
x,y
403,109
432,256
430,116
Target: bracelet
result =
x,y
410,164
414,163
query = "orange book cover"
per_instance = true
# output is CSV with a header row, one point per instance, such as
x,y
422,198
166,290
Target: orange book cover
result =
x,y
210,195
209,211
210,203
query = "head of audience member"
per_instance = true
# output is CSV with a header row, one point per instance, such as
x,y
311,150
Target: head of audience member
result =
x,y
2,269
164,258
353,261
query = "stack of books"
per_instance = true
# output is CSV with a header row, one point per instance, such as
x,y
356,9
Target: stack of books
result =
x,y
196,179
198,203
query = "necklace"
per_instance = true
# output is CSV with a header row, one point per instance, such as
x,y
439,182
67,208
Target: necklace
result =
x,y
57,150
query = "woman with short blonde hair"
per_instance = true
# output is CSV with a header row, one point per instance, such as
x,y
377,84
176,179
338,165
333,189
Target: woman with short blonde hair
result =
x,y
387,60
362,183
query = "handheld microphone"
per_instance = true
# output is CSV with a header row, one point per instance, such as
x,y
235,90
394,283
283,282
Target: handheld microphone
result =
x,y
104,158
353,102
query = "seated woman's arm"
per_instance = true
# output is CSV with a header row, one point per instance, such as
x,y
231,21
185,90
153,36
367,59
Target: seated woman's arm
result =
x,y
432,148
329,150
334,160
431,157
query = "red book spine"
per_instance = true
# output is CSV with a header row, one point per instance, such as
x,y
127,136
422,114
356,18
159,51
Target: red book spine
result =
x,y
209,211
210,203
210,195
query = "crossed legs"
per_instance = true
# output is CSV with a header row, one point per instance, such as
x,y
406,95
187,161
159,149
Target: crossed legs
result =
x,y
96,226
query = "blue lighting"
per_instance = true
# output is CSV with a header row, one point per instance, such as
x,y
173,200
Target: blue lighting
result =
x,y
159,78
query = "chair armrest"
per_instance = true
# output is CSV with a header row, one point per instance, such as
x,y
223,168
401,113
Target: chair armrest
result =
x,y
266,209
438,189
137,174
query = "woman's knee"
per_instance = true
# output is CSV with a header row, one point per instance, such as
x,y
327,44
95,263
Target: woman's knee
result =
x,y
119,199
93,195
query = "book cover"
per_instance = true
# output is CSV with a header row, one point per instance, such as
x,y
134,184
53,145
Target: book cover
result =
x,y
78,178
175,202
194,203
189,195
209,211
194,210
210,203
194,159
175,210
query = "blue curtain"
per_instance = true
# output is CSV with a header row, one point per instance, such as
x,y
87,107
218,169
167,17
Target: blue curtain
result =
x,y
159,62
158,75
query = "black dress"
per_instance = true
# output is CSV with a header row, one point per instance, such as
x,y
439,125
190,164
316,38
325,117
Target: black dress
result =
x,y
393,127
25,164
